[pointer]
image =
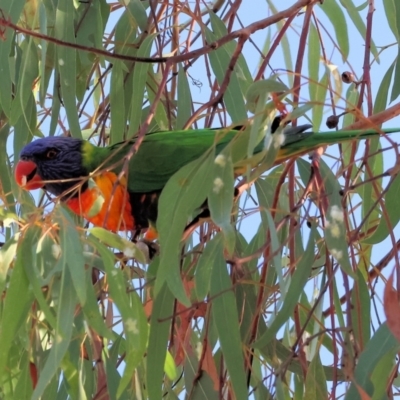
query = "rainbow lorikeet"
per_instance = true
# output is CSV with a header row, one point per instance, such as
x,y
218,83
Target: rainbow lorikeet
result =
x,y
62,165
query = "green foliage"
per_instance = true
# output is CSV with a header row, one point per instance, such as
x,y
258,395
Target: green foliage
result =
x,y
274,295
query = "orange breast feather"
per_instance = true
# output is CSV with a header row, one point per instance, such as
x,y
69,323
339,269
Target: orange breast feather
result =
x,y
115,212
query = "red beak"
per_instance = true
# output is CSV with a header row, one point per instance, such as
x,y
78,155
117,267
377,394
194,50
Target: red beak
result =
x,y
26,176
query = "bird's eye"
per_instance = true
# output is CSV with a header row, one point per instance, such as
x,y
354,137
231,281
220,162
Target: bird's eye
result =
x,y
51,154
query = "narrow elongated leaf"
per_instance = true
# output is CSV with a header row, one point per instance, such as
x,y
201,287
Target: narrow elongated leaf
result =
x,y
297,283
129,248
335,233
313,61
371,210
66,59
18,300
185,192
396,80
361,312
380,345
23,387
132,313
226,320
159,330
315,387
63,333
383,91
392,211
28,73
10,10
260,88
205,267
320,96
117,101
220,197
7,254
336,17
184,101
140,76
137,12
358,23
242,71
392,12
161,114
233,96
72,253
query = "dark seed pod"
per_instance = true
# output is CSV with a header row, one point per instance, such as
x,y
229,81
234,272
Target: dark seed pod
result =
x,y
332,121
348,77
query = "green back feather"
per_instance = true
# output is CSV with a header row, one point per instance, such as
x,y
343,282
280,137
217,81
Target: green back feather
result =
x,y
162,154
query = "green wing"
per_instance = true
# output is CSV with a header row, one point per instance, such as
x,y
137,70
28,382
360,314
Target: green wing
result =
x,y
309,142
162,154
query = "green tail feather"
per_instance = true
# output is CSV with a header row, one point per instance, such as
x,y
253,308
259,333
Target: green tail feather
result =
x,y
311,140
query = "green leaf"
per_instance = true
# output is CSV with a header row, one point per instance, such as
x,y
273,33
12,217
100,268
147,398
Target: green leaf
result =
x,y
371,211
335,232
117,103
72,252
315,387
313,61
184,101
7,254
220,197
396,80
261,88
358,23
199,387
140,76
66,63
23,387
44,72
392,12
129,248
131,310
160,116
336,16
10,10
91,310
63,333
351,103
294,289
205,266
319,99
137,13
226,319
160,322
34,275
219,60
392,213
361,311
27,75
18,299
380,345
383,91
136,331
241,69
185,192
126,33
